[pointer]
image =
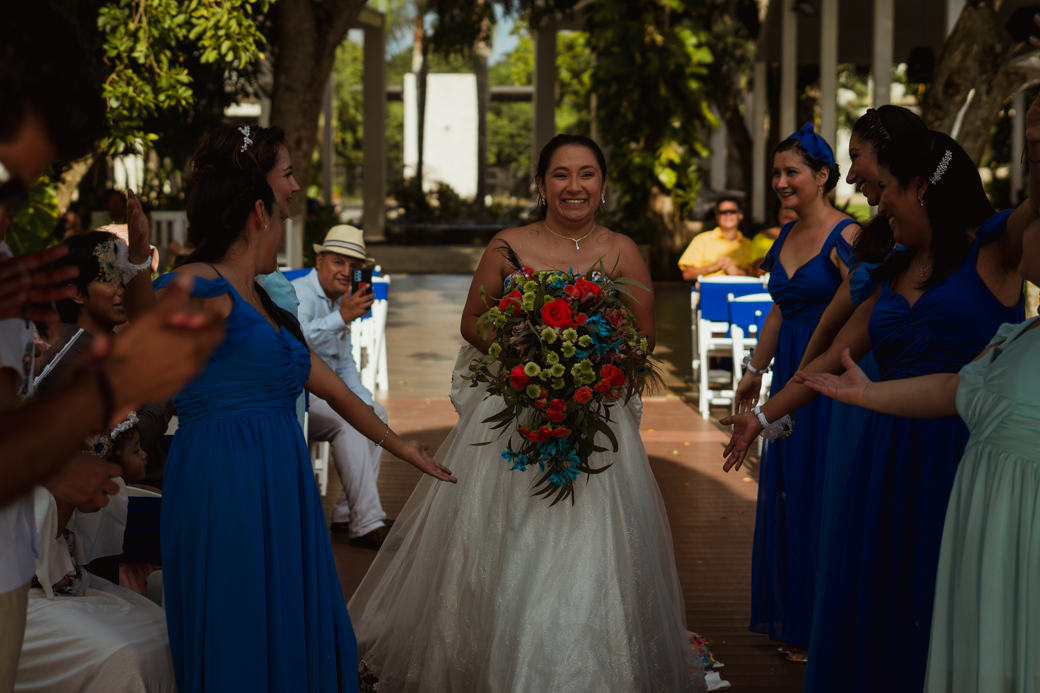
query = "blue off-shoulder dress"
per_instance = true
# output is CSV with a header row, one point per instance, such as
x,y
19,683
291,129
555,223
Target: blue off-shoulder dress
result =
x,y
877,597
790,486
253,601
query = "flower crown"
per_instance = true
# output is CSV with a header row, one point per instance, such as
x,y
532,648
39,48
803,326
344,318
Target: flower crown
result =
x,y
114,267
101,444
941,169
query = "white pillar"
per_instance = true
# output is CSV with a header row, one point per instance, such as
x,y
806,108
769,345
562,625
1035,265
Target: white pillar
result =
x,y
374,144
882,62
759,140
1018,145
829,71
544,98
327,147
718,154
953,13
788,69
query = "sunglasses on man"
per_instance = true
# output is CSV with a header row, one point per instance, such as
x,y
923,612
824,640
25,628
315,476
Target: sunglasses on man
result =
x,y
726,212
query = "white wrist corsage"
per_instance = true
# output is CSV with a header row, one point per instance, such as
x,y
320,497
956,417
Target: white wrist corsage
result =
x,y
749,367
781,428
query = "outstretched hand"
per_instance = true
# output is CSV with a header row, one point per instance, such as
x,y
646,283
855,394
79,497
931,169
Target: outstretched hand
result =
x,y
22,283
848,388
747,391
745,429
415,454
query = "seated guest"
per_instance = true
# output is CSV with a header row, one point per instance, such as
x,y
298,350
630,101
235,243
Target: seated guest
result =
x,y
326,310
95,310
82,632
723,250
763,241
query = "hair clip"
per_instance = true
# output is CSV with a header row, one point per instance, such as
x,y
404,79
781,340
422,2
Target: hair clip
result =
x,y
941,169
246,142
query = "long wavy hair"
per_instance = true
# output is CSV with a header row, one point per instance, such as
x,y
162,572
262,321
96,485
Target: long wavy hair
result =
x,y
956,203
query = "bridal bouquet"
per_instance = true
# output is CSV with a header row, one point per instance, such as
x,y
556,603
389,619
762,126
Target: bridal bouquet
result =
x,y
565,350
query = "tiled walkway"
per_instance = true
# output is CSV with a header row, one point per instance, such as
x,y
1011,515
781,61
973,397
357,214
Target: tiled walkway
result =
x,y
712,514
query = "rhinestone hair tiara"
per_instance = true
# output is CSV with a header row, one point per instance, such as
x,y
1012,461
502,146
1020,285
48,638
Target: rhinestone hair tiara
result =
x,y
245,142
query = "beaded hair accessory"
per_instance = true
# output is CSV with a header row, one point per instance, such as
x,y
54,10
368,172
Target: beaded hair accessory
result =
x,y
245,142
114,266
876,119
101,444
941,169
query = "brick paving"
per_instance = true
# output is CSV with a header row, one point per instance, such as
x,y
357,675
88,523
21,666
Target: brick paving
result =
x,y
712,514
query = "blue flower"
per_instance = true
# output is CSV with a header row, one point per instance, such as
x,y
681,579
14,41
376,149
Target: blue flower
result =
x,y
598,327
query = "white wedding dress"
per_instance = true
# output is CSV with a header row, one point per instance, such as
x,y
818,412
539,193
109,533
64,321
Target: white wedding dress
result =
x,y
481,587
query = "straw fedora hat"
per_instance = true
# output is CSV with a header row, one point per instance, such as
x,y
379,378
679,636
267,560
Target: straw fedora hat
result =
x,y
345,240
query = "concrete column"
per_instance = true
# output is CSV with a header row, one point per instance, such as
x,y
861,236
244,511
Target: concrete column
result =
x,y
1018,145
953,13
829,71
719,136
881,66
788,69
327,146
374,144
759,140
544,99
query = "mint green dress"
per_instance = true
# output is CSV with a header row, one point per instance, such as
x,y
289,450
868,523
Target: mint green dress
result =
x,y
986,623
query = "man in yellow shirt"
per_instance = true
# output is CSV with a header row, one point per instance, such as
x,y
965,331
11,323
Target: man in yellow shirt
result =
x,y
723,250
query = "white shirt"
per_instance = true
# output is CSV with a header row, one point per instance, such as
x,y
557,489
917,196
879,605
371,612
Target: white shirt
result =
x,y
327,335
18,545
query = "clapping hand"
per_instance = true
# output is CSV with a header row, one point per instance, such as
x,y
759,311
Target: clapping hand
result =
x,y
849,387
415,454
745,429
356,305
22,283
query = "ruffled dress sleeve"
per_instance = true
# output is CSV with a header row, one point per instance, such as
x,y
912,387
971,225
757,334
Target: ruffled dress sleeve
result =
x,y
204,288
842,246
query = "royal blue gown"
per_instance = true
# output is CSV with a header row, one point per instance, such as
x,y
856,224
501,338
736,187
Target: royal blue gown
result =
x,y
877,598
253,601
790,486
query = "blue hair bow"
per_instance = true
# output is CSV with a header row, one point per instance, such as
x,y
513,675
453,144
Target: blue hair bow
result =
x,y
814,144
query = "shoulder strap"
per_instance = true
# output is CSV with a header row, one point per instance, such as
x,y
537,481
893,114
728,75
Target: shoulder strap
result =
x,y
215,270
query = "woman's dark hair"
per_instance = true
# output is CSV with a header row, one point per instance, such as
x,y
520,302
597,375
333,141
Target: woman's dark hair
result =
x,y
551,147
956,202
80,255
877,127
222,148
815,165
218,210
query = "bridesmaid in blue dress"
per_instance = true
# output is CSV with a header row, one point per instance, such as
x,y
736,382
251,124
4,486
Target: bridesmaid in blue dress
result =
x,y
932,307
253,600
807,264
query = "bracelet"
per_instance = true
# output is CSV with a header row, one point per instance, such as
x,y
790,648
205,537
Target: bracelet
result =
x,y
781,428
147,264
104,390
385,435
749,367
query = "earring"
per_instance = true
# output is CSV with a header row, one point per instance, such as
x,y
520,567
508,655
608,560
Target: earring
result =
x,y
541,198
819,190
603,198
920,201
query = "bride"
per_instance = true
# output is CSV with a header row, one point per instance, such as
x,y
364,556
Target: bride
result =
x,y
482,587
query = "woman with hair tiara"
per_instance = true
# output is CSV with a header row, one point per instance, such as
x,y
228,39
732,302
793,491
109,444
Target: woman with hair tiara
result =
x,y
807,264
931,306
487,588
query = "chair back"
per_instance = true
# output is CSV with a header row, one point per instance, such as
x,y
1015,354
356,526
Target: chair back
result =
x,y
748,311
714,290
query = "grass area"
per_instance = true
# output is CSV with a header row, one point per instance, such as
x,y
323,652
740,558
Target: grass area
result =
x,y
858,210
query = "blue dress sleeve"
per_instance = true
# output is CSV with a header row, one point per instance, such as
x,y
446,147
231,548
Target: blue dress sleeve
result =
x,y
993,228
771,258
862,281
204,288
842,246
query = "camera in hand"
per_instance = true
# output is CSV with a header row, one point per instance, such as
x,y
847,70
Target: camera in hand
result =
x,y
359,276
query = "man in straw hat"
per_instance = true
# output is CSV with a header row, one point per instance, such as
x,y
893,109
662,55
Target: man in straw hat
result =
x,y
326,311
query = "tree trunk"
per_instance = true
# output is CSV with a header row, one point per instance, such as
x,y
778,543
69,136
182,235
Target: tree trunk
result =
x,y
70,180
308,34
668,239
972,58
481,50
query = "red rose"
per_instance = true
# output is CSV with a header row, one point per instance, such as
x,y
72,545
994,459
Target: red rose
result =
x,y
510,300
583,395
587,288
581,318
613,374
602,386
556,416
562,432
557,405
557,314
517,378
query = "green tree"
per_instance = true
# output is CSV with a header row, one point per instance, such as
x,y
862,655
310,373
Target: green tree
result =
x,y
651,60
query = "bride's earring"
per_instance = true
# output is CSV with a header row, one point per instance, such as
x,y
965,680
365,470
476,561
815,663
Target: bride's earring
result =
x,y
541,199
603,198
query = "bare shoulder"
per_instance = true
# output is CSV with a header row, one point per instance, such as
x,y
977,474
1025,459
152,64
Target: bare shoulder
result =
x,y
199,269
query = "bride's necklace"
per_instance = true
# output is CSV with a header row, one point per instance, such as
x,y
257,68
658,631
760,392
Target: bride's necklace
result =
x,y
924,270
574,240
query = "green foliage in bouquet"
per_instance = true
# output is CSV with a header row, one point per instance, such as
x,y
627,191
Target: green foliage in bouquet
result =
x,y
565,348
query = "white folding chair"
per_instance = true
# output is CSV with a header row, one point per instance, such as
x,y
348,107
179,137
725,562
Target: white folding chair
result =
x,y
321,454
